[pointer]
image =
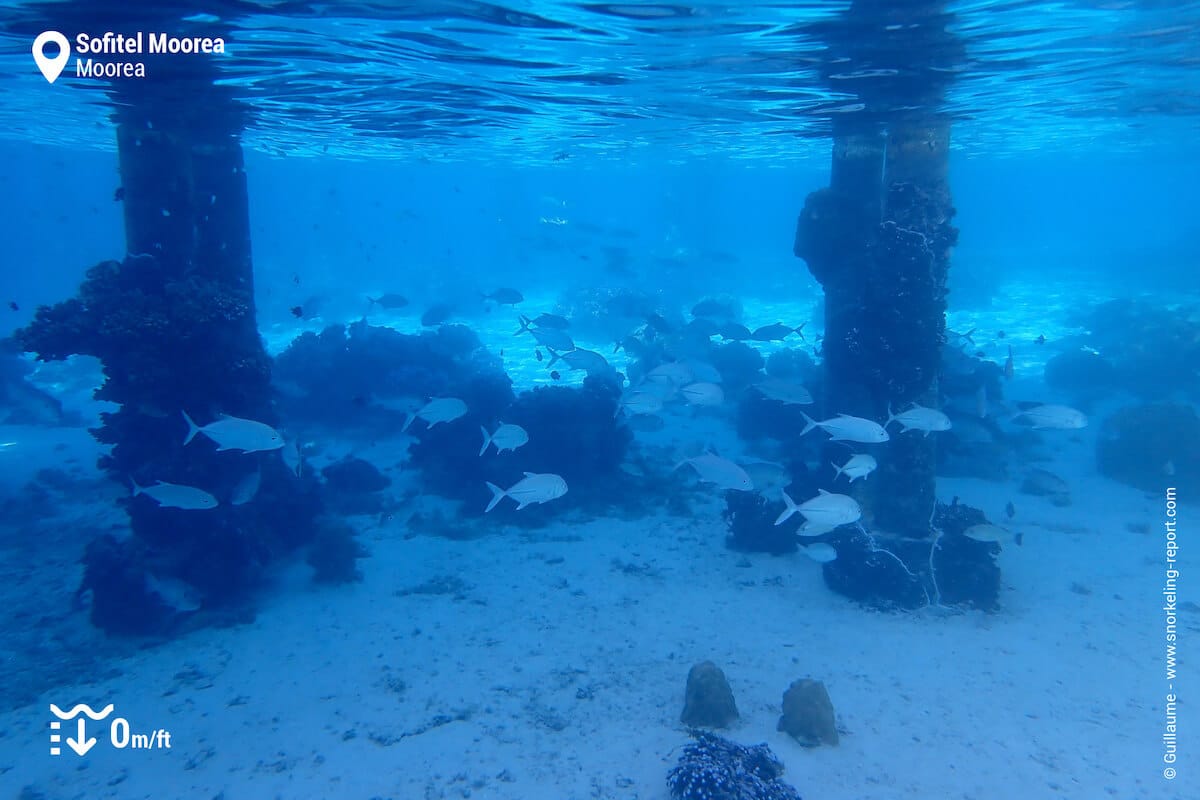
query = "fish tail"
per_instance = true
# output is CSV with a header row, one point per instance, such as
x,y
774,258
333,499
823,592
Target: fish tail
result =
x,y
193,428
136,489
809,424
967,336
408,420
525,323
837,471
373,299
497,496
1018,538
487,439
553,357
800,331
790,508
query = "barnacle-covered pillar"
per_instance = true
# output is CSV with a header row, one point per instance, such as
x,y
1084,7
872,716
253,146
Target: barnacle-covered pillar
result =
x,y
878,239
174,326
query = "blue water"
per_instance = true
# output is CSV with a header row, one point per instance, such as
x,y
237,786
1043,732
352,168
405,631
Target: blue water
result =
x,y
586,154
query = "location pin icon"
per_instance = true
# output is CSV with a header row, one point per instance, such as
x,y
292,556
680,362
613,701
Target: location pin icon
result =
x,y
51,67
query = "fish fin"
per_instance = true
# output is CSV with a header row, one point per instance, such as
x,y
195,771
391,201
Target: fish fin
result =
x,y
529,474
837,471
789,508
822,491
553,357
891,417
136,489
497,496
809,424
408,420
487,439
525,323
193,428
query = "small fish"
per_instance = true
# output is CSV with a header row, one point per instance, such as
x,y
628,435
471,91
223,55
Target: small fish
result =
x,y
919,418
1051,417
639,402
720,471
505,297
174,495
703,394
786,392
246,488
506,437
298,312
1000,335
1009,371
673,374
537,354
821,552
440,409
555,374
826,510
234,433
436,314
1169,468
533,488
775,333
390,300
118,194
13,305
1010,510
1040,339
845,428
992,533
857,466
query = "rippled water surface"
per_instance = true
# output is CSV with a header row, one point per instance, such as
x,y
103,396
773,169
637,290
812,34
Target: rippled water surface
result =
x,y
541,81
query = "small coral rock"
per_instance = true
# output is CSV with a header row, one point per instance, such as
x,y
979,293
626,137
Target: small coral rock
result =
x,y
708,700
808,714
712,768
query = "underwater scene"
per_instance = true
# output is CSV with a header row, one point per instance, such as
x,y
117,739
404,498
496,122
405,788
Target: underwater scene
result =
x,y
582,400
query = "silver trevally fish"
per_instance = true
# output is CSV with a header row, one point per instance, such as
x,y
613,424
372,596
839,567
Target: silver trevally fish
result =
x,y
786,392
246,488
174,495
826,510
703,394
533,488
767,476
553,339
292,459
986,532
506,437
579,359
845,428
640,402
440,409
1062,418
721,471
919,418
235,433
859,465
821,552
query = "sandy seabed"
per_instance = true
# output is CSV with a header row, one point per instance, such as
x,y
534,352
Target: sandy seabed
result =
x,y
551,664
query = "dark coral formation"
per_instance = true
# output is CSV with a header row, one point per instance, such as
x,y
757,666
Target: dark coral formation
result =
x,y
1151,447
899,573
345,376
713,768
171,341
708,699
335,552
573,432
808,714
